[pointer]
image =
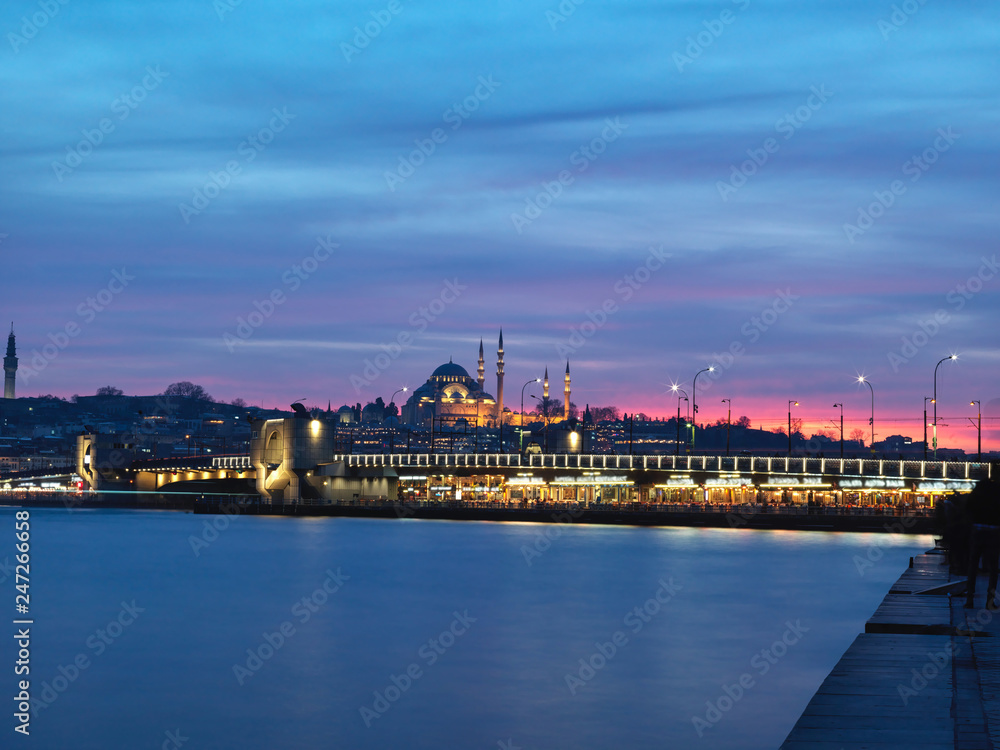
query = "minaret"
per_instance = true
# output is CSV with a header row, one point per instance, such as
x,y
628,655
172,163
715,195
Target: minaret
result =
x,y
500,379
566,402
545,386
9,366
482,367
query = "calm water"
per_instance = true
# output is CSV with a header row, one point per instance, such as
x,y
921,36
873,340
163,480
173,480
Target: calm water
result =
x,y
502,678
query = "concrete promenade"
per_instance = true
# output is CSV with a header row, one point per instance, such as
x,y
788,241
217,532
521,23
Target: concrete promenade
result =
x,y
925,674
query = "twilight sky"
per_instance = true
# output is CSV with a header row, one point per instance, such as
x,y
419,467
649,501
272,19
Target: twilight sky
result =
x,y
385,171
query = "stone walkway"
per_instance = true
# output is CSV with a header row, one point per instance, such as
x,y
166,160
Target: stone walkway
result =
x,y
925,674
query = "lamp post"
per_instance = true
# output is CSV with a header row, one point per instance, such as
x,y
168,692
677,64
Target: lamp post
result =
x,y
729,417
392,434
520,443
841,428
979,431
863,379
545,417
678,390
791,403
694,401
926,399
952,357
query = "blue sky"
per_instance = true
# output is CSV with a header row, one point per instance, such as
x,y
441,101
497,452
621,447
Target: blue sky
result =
x,y
821,107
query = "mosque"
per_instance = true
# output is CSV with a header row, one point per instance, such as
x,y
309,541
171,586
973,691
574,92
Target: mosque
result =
x,y
451,396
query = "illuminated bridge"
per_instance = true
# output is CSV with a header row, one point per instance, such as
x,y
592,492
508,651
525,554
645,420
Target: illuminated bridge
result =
x,y
292,460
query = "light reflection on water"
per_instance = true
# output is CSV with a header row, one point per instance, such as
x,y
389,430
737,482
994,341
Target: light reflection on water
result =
x,y
504,677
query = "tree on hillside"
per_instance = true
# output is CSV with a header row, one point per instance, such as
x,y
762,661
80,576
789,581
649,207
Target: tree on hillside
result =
x,y
552,408
241,403
859,435
796,428
604,413
187,389
110,390
743,422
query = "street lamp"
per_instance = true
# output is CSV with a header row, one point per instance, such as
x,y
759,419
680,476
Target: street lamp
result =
x,y
694,401
862,379
392,434
729,417
979,430
926,399
544,417
842,428
678,390
520,443
790,405
944,359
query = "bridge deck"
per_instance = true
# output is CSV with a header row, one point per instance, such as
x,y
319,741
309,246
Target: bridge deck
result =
x,y
936,475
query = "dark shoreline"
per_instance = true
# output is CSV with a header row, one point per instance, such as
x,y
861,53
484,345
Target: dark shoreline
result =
x,y
774,518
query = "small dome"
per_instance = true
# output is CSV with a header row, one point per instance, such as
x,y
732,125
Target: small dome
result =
x,y
450,369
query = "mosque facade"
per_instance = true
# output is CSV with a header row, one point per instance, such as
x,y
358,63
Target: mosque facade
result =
x,y
451,396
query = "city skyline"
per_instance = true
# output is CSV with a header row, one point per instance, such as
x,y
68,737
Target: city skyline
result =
x,y
801,418
262,224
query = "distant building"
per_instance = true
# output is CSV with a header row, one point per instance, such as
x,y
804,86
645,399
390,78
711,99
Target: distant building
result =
x,y
450,395
9,366
453,397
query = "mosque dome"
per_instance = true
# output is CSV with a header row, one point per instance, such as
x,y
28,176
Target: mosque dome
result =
x,y
450,370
